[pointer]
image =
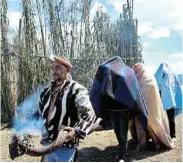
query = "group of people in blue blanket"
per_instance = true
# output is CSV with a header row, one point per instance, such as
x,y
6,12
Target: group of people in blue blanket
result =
x,y
121,98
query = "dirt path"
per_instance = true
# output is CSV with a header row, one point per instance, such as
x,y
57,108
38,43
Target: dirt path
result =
x,y
102,146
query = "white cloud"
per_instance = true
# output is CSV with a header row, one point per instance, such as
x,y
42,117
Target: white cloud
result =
x,y
14,17
159,33
177,67
176,57
146,44
145,28
97,7
176,62
140,1
155,14
118,4
149,29
153,60
175,15
160,13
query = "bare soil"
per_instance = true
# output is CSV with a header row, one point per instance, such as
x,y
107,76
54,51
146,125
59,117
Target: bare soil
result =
x,y
103,147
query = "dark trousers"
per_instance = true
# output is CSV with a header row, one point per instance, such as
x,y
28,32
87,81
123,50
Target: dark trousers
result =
x,y
119,121
171,119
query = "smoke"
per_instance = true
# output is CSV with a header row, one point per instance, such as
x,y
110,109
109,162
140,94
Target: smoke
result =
x,y
27,118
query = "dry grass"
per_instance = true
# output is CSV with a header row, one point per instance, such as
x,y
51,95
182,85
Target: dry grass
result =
x,y
102,146
62,29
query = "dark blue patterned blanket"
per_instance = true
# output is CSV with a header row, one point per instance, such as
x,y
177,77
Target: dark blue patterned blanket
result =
x,y
116,80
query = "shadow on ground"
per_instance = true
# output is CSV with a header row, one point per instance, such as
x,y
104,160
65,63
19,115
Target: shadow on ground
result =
x,y
109,154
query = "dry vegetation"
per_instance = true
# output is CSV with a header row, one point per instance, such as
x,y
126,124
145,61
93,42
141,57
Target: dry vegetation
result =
x,y
102,146
66,28
61,28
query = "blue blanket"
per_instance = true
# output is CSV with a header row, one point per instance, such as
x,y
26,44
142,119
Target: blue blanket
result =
x,y
116,80
170,88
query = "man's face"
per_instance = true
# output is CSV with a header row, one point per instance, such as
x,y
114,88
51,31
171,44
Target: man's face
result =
x,y
59,71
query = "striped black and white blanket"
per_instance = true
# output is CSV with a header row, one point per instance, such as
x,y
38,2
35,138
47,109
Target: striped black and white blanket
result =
x,y
72,108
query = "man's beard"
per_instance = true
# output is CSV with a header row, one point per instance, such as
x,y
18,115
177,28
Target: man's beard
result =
x,y
59,80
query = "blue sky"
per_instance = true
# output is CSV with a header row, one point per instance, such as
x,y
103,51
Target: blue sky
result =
x,y
160,28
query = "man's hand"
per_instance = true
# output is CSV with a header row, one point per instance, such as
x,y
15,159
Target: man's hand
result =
x,y
71,133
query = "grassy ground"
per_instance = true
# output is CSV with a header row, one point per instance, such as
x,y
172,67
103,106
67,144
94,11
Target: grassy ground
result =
x,y
102,146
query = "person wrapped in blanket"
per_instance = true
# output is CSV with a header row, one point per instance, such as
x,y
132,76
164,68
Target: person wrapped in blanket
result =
x,y
64,103
116,98
171,94
157,119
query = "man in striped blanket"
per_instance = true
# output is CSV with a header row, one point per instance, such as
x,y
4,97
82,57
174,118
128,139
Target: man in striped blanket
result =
x,y
64,103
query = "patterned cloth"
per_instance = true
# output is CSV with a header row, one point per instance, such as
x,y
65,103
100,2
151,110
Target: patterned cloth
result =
x,y
72,108
116,80
170,88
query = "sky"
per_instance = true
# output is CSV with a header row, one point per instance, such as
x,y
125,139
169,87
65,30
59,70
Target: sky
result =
x,y
160,28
